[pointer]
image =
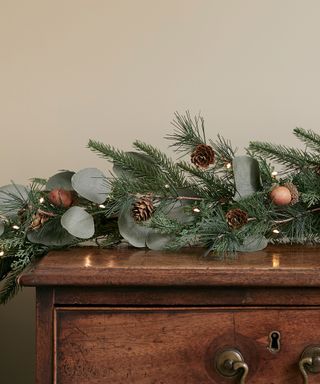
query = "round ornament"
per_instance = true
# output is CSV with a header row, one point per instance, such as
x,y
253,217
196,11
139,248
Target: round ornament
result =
x,y
61,198
281,196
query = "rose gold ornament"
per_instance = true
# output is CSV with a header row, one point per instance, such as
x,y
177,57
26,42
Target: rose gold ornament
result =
x,y
61,198
281,196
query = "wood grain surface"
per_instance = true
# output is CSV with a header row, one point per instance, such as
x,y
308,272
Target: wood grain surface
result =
x,y
143,317
186,296
178,346
44,336
274,266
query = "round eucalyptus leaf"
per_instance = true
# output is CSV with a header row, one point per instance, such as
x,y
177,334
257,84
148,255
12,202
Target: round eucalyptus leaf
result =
x,y
124,173
158,241
2,228
253,244
12,198
78,222
246,176
91,184
60,180
135,233
51,234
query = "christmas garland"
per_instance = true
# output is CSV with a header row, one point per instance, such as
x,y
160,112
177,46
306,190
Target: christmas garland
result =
x,y
213,198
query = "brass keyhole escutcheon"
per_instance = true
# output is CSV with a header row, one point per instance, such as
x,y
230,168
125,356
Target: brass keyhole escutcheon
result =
x,y
274,341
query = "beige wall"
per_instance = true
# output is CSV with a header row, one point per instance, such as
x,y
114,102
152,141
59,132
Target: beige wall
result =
x,y
116,70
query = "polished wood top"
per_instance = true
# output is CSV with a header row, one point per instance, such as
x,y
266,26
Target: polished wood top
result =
x,y
274,266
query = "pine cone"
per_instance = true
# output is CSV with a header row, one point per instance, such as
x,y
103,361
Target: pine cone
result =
x,y
294,193
22,215
236,218
202,156
38,220
143,209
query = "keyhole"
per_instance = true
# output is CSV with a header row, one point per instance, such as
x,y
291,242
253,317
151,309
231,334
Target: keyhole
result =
x,y
274,338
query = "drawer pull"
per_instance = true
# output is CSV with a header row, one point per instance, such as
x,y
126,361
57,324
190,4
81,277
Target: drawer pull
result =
x,y
309,362
230,363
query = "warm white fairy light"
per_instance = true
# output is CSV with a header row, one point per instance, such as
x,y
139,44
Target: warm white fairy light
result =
x,y
196,210
41,200
276,231
102,206
1,253
274,173
16,227
167,186
228,165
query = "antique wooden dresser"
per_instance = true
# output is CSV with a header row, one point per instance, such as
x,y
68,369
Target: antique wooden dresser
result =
x,y
142,317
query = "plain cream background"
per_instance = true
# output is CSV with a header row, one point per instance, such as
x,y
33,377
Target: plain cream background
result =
x,y
116,70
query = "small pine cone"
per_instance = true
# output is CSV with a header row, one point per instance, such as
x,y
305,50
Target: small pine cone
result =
x,y
143,209
202,156
236,218
38,220
22,214
294,193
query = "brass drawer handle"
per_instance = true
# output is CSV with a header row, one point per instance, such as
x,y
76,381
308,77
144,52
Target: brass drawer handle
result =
x,y
309,362
230,363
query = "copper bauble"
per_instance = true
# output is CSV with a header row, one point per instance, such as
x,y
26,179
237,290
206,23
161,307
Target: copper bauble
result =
x,y
61,198
280,195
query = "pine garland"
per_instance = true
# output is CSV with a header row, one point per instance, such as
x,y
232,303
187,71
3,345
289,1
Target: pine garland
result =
x,y
212,198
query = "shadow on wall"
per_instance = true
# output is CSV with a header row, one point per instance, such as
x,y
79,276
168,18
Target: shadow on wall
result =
x,y
17,345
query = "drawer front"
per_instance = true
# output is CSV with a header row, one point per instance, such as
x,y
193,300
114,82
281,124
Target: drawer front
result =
x,y
179,346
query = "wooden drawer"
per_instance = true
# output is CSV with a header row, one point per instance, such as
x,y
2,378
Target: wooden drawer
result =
x,y
179,345
136,317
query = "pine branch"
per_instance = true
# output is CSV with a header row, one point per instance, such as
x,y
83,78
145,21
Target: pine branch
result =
x,y
9,287
310,138
164,224
257,207
303,227
215,186
11,202
188,132
172,172
308,184
137,166
224,151
20,253
292,158
214,232
40,182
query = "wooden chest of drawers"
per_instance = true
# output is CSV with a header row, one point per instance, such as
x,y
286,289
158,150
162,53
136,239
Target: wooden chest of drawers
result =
x,y
145,317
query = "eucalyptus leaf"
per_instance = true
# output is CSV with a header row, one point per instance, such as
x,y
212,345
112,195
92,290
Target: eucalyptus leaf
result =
x,y
60,180
78,222
253,244
12,198
51,234
91,184
246,176
135,233
124,173
2,228
158,241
